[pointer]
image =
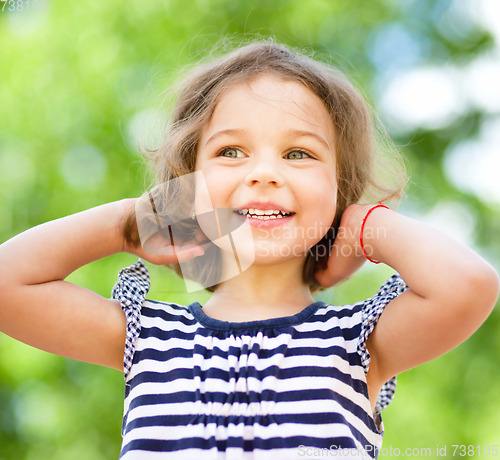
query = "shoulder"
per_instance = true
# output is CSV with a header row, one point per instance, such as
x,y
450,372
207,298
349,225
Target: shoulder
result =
x,y
132,286
371,310
395,285
131,290
373,307
146,318
361,317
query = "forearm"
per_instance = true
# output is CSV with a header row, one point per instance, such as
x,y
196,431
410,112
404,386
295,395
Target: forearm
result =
x,y
53,250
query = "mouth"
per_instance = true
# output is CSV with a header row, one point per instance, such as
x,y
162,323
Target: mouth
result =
x,y
261,214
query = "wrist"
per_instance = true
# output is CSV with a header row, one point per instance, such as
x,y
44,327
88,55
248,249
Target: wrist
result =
x,y
373,232
351,226
369,248
125,223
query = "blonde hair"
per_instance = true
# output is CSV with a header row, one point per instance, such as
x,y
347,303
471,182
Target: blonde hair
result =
x,y
365,156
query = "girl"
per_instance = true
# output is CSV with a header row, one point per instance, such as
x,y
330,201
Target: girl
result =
x,y
264,146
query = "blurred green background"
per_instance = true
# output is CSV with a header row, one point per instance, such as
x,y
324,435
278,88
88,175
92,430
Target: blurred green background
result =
x,y
78,84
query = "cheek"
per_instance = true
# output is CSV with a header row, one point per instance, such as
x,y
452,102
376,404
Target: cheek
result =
x,y
204,192
319,205
320,190
211,190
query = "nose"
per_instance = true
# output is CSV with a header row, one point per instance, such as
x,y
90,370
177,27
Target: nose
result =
x,y
265,170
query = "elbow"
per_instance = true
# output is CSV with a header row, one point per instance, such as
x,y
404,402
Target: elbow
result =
x,y
480,289
492,285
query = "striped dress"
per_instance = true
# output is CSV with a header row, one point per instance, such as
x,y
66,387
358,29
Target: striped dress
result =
x,y
292,387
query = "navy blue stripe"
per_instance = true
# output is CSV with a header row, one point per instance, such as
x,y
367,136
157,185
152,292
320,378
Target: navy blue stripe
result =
x,y
174,352
291,442
348,312
319,418
166,316
236,397
160,334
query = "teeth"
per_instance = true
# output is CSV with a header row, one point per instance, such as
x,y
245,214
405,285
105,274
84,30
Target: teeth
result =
x,y
265,217
260,212
264,214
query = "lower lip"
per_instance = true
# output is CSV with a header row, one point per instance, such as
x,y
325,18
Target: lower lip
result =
x,y
265,224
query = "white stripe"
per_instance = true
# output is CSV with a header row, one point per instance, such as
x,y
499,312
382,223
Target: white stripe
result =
x,y
187,454
171,325
168,307
247,432
264,343
346,322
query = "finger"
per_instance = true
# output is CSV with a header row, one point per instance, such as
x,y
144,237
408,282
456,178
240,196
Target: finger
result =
x,y
168,250
189,252
166,254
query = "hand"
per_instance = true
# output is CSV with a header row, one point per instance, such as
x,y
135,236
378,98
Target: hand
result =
x,y
346,257
159,250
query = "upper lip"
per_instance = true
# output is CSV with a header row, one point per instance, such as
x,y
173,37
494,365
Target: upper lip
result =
x,y
265,206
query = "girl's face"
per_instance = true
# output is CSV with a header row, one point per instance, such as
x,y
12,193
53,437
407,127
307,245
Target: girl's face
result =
x,y
269,145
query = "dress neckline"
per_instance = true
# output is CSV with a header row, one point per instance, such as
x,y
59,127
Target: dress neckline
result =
x,y
197,311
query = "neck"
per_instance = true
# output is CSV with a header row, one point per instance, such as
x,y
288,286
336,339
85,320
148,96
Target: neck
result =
x,y
263,291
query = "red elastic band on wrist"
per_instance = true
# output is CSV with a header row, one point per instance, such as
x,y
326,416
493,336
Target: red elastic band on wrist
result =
x,y
380,205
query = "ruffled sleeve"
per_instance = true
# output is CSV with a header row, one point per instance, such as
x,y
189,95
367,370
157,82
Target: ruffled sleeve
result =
x,y
372,309
131,289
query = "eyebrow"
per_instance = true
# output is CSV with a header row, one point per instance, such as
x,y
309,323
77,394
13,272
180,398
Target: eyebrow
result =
x,y
224,132
291,132
300,133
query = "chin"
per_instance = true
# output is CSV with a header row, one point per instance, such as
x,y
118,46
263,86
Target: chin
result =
x,y
276,253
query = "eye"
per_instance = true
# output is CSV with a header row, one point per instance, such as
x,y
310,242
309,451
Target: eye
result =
x,y
298,154
231,151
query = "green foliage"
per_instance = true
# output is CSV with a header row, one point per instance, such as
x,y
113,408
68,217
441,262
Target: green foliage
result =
x,y
72,81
